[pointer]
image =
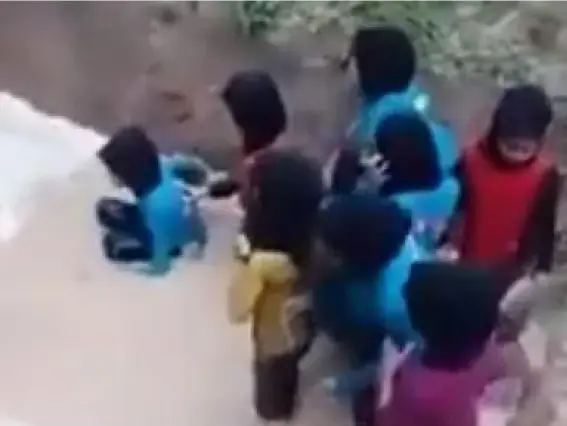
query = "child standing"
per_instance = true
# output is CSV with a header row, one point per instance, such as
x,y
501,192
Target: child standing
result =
x,y
285,193
510,189
385,62
412,176
258,112
161,223
455,310
371,242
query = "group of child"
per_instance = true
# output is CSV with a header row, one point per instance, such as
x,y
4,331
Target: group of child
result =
x,y
362,256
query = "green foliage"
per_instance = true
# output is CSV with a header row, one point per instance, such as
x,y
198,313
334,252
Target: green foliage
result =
x,y
453,39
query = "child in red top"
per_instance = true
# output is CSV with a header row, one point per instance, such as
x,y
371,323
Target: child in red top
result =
x,y
509,189
257,109
455,310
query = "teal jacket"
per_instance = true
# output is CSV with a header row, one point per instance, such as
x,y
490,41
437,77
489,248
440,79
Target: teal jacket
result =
x,y
430,211
413,99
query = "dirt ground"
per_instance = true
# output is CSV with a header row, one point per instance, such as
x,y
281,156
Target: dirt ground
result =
x,y
83,342
85,60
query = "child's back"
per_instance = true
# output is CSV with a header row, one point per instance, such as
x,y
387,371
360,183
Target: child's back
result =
x,y
427,396
455,309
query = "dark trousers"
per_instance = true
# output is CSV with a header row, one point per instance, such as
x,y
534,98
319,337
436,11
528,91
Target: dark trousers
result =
x,y
276,381
127,239
362,342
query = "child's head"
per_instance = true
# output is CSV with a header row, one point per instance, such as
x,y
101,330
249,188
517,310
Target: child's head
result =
x,y
256,107
407,146
286,191
385,60
519,124
454,307
364,231
132,160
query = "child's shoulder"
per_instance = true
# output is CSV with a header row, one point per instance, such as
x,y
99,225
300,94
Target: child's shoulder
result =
x,y
273,265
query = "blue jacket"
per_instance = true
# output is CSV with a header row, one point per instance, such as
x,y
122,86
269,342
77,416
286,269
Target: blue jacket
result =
x,y
343,306
372,114
430,211
172,220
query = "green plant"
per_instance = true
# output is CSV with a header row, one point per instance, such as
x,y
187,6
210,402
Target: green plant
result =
x,y
470,39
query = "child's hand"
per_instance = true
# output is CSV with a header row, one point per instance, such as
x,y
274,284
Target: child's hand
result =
x,y
538,412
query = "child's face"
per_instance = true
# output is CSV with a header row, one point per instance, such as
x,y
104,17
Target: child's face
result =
x,y
518,150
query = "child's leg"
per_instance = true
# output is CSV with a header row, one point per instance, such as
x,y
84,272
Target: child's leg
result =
x,y
127,248
199,231
275,388
118,216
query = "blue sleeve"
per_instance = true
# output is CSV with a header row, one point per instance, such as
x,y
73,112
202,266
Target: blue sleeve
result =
x,y
160,261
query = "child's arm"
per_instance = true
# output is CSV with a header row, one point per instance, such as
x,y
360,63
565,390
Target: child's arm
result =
x,y
538,243
160,262
454,223
245,290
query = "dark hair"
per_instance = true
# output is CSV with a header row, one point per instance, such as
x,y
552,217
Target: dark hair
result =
x,y
454,307
385,60
406,143
287,190
256,106
522,112
364,230
133,159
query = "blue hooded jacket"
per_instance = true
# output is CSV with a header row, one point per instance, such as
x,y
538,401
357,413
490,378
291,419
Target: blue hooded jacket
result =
x,y
430,211
343,305
173,221
372,114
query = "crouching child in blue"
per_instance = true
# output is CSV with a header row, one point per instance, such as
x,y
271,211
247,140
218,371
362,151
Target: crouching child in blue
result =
x,y
158,226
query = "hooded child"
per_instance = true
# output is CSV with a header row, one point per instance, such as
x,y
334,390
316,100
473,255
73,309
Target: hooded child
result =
x,y
161,223
413,178
373,249
258,112
286,190
386,64
408,172
440,383
510,190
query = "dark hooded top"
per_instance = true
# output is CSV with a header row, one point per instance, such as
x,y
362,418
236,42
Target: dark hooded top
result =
x,y
258,111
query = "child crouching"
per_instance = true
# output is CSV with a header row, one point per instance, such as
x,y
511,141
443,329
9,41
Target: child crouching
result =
x,y
285,193
158,226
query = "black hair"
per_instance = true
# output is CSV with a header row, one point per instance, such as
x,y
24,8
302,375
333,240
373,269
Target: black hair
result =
x,y
385,60
454,307
364,230
406,143
287,189
133,159
523,111
256,107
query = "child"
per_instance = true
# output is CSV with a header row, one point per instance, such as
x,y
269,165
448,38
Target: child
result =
x,y
285,193
510,189
385,62
414,179
371,241
455,310
257,109
412,176
161,223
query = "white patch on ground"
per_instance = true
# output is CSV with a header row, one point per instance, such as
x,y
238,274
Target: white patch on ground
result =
x,y
35,148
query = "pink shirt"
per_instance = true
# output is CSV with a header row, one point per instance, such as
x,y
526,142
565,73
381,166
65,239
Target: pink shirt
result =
x,y
422,396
